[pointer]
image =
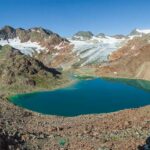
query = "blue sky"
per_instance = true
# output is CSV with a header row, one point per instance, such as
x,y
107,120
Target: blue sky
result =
x,y
69,16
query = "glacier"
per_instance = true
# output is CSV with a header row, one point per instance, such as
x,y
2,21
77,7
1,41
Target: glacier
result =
x,y
97,49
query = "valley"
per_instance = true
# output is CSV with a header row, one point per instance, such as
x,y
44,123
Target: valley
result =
x,y
38,59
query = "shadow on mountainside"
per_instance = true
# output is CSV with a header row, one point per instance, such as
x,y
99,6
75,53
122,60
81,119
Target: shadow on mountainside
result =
x,y
22,62
54,72
146,146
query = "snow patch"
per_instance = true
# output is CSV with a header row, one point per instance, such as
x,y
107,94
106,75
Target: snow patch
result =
x,y
59,46
27,47
145,31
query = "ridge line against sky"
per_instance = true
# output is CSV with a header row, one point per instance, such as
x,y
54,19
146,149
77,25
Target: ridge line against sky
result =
x,y
66,17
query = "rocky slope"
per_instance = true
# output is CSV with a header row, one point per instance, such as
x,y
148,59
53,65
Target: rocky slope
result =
x,y
83,49
40,43
83,35
102,49
132,60
24,130
45,38
22,73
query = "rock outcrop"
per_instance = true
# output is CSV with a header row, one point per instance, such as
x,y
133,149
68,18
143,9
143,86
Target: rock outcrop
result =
x,y
132,60
83,35
43,37
40,43
22,72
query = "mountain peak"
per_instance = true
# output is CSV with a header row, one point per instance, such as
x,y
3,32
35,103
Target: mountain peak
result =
x,y
19,68
42,30
7,27
83,35
140,31
31,40
101,35
7,32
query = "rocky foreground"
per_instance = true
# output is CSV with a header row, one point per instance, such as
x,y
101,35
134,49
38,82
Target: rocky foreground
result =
x,y
21,129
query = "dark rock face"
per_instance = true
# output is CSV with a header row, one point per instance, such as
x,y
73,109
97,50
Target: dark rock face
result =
x,y
7,33
11,141
3,145
146,146
31,82
85,35
134,32
42,31
101,35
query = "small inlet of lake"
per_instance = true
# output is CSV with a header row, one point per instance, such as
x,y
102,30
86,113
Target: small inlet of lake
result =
x,y
91,96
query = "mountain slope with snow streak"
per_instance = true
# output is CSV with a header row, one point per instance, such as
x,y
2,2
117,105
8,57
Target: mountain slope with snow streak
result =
x,y
27,48
83,49
97,49
31,40
145,31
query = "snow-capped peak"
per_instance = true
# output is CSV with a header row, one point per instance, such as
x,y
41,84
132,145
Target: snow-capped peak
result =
x,y
139,32
145,31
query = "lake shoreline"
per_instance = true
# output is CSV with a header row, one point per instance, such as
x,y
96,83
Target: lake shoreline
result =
x,y
72,129
122,82
127,128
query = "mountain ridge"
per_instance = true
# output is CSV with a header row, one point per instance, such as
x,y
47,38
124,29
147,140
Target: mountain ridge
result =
x,y
20,72
83,49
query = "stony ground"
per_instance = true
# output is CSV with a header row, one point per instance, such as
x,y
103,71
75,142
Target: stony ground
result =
x,y
24,130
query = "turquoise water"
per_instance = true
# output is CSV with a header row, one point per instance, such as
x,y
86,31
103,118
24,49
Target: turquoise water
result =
x,y
88,97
